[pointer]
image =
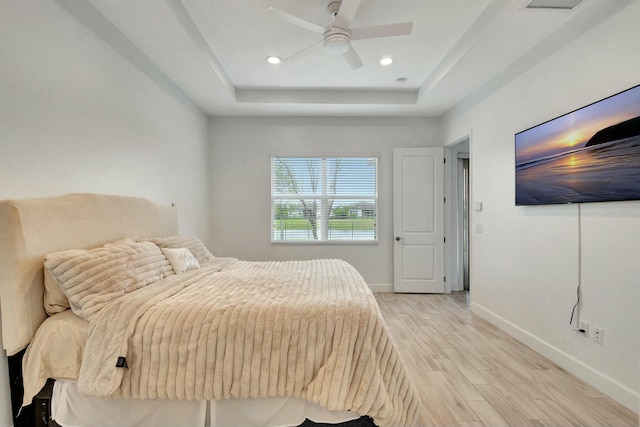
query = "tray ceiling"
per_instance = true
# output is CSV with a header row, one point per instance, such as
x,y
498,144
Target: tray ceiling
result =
x,y
214,51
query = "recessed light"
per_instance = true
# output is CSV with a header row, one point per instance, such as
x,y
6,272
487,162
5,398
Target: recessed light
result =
x,y
274,59
386,61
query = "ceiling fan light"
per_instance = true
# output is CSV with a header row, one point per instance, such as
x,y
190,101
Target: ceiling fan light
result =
x,y
337,44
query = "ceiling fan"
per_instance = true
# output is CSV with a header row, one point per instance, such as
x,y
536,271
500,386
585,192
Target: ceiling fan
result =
x,y
337,36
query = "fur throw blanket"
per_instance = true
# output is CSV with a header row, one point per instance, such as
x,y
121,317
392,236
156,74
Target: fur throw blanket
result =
x,y
236,329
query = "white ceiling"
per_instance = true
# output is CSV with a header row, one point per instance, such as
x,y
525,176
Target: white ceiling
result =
x,y
213,51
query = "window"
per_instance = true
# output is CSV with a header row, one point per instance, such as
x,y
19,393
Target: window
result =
x,y
324,199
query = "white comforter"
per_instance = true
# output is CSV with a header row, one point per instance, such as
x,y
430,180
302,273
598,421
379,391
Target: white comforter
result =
x,y
236,329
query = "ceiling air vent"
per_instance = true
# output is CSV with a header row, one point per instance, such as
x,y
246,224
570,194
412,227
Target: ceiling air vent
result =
x,y
553,4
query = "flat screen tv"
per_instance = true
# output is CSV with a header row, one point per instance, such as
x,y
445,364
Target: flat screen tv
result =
x,y
588,155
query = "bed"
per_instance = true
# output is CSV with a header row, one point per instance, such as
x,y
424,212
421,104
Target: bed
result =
x,y
124,314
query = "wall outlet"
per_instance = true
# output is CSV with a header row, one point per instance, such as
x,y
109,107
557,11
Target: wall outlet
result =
x,y
598,335
583,326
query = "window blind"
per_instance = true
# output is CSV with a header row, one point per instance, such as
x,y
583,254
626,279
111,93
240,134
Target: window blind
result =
x,y
324,198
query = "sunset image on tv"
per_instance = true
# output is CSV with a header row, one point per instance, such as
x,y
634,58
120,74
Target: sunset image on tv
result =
x,y
589,155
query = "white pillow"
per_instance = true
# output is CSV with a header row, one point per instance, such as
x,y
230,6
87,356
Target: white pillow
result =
x,y
195,245
181,259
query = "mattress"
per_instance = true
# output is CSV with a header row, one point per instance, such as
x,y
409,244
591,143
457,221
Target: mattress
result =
x,y
56,352
237,329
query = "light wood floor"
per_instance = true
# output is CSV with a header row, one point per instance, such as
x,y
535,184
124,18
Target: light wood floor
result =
x,y
471,374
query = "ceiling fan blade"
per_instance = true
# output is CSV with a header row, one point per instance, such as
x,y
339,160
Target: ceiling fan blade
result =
x,y
292,19
352,58
376,31
347,11
302,53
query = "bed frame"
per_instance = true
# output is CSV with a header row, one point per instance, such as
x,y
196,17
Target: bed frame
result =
x,y
38,414
73,221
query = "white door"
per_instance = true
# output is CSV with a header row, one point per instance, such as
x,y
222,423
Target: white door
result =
x,y
418,220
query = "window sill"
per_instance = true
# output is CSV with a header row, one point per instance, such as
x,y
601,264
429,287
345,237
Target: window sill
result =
x,y
325,242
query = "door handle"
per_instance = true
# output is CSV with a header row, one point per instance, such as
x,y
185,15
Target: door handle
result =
x,y
398,238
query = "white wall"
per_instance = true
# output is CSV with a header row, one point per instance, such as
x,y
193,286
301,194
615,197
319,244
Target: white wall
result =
x,y
76,117
240,182
524,267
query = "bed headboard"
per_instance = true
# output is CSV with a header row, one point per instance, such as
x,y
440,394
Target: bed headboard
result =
x,y
31,229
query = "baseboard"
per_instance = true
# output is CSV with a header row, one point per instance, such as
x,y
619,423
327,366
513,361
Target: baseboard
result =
x,y
609,386
381,287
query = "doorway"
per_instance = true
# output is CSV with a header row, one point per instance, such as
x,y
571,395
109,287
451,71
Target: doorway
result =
x,y
458,214
463,212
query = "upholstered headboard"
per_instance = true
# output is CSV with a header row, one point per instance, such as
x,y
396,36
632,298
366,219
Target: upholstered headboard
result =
x,y
31,229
